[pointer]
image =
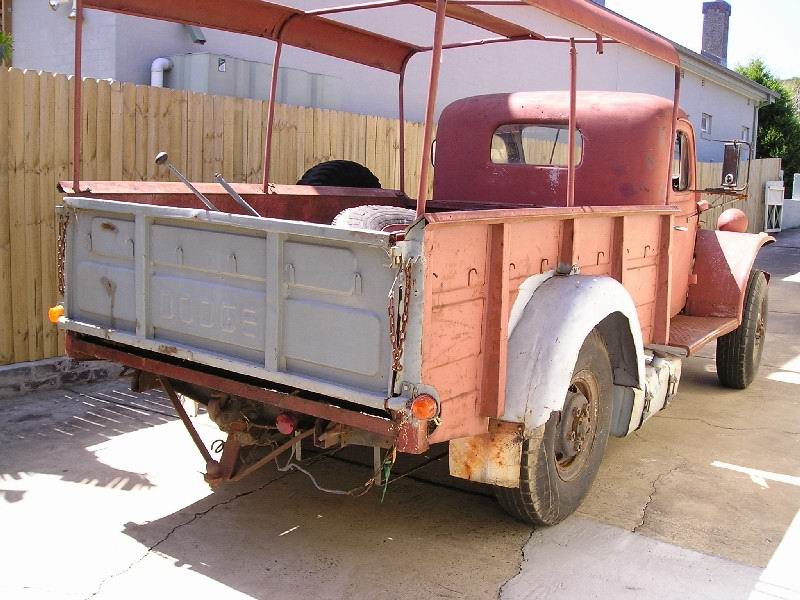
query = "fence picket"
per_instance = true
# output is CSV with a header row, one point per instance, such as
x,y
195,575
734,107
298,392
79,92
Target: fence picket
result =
x,y
6,314
33,276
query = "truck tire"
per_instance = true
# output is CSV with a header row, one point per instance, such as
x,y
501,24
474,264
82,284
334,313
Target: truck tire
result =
x,y
340,173
739,352
376,218
560,461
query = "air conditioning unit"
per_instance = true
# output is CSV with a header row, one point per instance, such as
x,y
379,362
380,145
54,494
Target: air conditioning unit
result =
x,y
229,76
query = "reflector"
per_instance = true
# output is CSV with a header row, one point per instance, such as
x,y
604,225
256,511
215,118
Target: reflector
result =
x,y
54,313
424,407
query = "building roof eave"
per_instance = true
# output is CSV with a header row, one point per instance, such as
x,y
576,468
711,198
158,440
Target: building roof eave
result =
x,y
708,69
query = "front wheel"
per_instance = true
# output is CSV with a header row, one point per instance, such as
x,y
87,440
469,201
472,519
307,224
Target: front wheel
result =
x,y
739,352
560,460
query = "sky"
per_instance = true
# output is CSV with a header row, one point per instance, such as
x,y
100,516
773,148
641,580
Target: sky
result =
x,y
766,29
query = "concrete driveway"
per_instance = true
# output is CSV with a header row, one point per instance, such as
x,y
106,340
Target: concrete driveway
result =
x,y
102,497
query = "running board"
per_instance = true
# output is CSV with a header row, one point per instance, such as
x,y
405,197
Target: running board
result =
x,y
692,333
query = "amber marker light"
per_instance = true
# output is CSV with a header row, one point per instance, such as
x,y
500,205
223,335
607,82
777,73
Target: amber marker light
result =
x,y
424,407
54,313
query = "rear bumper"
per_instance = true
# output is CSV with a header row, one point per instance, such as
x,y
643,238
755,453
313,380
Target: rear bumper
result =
x,y
409,437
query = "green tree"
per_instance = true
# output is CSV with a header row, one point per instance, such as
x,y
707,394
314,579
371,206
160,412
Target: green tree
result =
x,y
6,46
778,123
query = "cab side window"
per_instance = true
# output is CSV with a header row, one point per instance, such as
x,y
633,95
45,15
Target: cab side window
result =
x,y
681,166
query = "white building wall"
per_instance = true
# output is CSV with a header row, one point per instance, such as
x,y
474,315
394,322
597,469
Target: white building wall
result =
x,y
44,39
730,112
121,47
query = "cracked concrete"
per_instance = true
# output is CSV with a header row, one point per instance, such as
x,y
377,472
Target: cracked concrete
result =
x,y
194,517
718,426
652,495
102,497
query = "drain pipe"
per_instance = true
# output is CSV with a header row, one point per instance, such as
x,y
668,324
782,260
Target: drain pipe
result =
x,y
157,69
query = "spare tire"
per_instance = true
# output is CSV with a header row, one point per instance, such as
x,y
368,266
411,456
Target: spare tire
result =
x,y
340,173
376,218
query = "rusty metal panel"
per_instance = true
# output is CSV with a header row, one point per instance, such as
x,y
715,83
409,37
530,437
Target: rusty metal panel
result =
x,y
641,236
84,348
533,248
455,298
292,202
692,333
473,272
612,171
493,457
661,309
723,260
607,23
495,323
484,20
593,245
273,21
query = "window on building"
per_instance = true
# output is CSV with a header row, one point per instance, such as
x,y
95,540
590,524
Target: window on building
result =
x,y
745,134
705,123
681,165
542,145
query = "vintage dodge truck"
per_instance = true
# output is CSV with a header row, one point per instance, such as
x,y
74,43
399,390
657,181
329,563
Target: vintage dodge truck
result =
x,y
540,302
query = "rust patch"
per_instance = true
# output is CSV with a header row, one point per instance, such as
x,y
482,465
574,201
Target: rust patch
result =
x,y
165,349
108,226
489,458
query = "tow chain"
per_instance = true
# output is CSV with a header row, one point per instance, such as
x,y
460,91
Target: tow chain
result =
x,y
397,334
63,220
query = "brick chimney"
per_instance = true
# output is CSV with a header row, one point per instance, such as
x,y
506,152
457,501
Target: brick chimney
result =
x,y
716,17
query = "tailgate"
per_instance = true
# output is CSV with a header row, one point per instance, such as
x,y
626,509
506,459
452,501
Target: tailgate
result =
x,y
295,303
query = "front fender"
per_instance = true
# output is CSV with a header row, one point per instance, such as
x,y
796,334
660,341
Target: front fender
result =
x,y
548,336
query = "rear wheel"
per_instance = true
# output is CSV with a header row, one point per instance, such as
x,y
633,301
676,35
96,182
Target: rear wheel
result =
x,y
739,352
560,461
340,173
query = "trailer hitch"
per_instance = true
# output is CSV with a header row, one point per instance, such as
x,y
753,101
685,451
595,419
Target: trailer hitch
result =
x,y
225,469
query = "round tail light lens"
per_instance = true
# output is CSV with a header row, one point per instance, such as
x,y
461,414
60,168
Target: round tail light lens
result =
x,y
424,407
286,423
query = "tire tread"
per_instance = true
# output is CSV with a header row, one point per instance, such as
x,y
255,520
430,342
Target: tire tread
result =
x,y
734,350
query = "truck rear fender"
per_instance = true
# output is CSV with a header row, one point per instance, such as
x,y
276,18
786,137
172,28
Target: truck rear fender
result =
x,y
547,336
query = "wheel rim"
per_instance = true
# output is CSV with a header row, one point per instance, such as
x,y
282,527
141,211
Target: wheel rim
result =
x,y
761,329
577,426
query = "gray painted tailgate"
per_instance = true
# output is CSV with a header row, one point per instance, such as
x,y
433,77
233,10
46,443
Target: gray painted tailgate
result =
x,y
295,303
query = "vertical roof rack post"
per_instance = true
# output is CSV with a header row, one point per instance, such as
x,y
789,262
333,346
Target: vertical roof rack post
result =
x,y
273,90
573,98
402,117
273,87
77,112
433,85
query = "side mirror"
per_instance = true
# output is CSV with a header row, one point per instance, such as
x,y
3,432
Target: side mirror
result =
x,y
732,161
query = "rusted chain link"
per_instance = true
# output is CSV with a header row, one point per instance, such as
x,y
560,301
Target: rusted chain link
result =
x,y
61,249
397,333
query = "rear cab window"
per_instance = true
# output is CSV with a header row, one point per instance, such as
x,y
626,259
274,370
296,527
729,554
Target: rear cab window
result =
x,y
534,144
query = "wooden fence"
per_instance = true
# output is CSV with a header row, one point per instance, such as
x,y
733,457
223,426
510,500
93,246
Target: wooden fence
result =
x,y
123,127
709,175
